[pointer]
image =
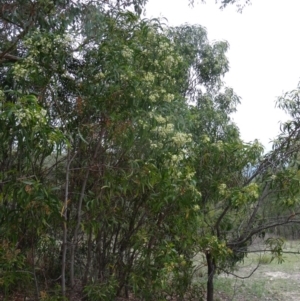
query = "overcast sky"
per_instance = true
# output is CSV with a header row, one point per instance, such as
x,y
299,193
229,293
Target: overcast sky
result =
x,y
264,54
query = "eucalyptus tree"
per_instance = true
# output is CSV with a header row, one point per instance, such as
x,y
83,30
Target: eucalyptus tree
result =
x,y
103,149
118,154
244,193
108,159
237,183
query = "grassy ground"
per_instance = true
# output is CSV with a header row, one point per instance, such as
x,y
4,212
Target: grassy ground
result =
x,y
271,281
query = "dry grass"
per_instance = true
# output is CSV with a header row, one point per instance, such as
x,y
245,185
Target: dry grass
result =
x,y
271,281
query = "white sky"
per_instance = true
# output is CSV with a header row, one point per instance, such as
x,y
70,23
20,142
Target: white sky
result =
x,y
264,54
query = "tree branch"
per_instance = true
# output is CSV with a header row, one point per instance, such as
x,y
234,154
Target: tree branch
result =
x,y
237,276
244,239
8,57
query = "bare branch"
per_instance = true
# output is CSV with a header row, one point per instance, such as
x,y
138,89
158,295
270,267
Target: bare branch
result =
x,y
237,276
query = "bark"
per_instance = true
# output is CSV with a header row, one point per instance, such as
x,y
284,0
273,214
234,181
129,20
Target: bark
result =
x,y
75,237
65,230
88,260
210,277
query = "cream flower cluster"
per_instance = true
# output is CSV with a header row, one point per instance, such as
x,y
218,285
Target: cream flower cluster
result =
x,y
25,116
222,189
181,139
149,77
160,119
38,44
252,190
219,145
164,131
127,52
154,97
168,97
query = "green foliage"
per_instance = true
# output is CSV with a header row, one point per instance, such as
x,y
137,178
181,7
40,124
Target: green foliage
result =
x,y
54,295
265,259
276,246
102,292
12,273
119,159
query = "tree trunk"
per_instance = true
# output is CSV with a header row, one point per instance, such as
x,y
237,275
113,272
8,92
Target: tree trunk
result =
x,y
75,236
64,213
88,260
210,277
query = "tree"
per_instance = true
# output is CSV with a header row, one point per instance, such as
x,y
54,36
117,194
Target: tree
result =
x,y
236,181
239,185
110,149
240,6
119,160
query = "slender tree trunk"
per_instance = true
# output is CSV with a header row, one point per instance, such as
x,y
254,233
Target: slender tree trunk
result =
x,y
79,215
75,237
88,260
65,230
210,277
37,291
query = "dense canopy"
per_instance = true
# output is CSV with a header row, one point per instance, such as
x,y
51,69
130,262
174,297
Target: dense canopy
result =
x,y
120,163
